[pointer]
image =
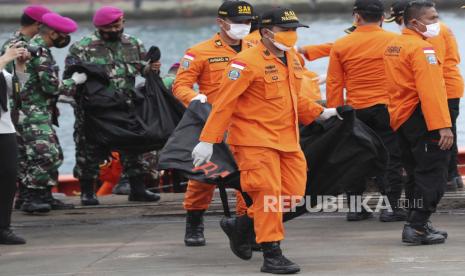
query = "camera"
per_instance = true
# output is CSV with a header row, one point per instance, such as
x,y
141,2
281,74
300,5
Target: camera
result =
x,y
34,50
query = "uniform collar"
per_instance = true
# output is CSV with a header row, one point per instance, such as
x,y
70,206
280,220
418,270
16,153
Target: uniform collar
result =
x,y
367,28
407,31
219,42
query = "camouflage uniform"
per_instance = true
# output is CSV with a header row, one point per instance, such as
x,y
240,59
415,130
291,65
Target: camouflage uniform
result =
x,y
123,61
43,154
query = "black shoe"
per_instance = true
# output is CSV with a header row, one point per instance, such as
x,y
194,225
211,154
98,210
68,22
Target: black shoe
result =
x,y
432,230
397,214
122,188
274,261
8,237
138,191
194,228
358,216
35,203
88,196
146,196
56,204
420,236
238,231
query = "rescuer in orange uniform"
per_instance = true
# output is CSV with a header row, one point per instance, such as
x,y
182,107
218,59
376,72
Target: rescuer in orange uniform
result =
x,y
204,64
446,47
261,105
356,65
420,115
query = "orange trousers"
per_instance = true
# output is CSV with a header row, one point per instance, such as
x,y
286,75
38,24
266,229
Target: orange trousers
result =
x,y
199,195
270,174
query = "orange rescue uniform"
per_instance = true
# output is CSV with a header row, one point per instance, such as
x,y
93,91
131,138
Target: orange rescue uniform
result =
x,y
204,64
415,77
254,37
261,105
314,52
367,85
445,45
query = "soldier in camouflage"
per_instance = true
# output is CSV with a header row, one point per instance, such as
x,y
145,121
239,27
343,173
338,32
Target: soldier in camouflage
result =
x,y
30,22
123,57
43,154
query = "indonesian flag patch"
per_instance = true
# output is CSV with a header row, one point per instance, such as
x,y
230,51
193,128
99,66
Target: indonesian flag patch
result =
x,y
187,60
430,55
235,72
189,56
238,65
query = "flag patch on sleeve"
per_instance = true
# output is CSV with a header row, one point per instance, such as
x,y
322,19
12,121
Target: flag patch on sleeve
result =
x,y
430,55
238,65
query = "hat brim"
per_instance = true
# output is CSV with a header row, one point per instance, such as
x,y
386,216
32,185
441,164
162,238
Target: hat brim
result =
x,y
292,25
390,19
241,18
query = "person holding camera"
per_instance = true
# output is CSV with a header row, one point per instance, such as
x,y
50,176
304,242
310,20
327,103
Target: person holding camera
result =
x,y
43,154
30,21
8,147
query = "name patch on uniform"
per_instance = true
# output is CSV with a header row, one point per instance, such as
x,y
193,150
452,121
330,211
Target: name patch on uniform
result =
x,y
270,69
392,51
234,74
218,59
430,55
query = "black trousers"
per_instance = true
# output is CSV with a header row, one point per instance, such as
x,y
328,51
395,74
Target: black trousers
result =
x,y
454,110
8,172
425,163
390,184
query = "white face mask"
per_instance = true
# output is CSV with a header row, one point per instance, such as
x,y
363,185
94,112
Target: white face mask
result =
x,y
238,31
432,30
401,27
281,46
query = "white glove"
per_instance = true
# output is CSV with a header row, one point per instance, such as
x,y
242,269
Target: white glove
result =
x,y
79,78
321,79
200,97
202,153
328,113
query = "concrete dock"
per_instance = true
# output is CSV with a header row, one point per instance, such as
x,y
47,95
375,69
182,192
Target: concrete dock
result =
x,y
147,239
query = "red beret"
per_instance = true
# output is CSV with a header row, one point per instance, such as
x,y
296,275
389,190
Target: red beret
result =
x,y
107,15
59,23
36,12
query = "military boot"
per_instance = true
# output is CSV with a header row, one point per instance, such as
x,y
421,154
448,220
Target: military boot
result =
x,y
431,229
274,261
420,236
194,228
239,230
88,196
56,204
35,202
138,191
8,237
